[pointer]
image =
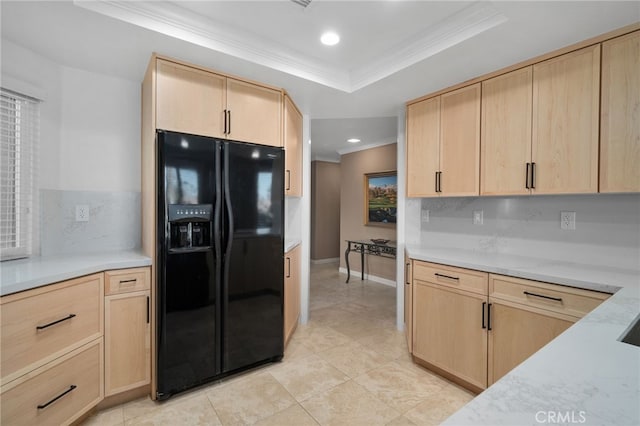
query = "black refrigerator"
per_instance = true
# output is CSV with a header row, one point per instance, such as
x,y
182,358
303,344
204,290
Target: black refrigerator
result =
x,y
220,230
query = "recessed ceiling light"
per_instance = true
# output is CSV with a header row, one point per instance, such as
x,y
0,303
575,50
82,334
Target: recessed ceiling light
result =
x,y
353,140
330,38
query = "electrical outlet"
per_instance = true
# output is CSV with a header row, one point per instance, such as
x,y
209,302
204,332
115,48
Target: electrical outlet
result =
x,y
82,213
568,220
478,217
425,215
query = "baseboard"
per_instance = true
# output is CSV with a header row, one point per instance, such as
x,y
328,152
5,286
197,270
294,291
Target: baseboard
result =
x,y
328,260
355,275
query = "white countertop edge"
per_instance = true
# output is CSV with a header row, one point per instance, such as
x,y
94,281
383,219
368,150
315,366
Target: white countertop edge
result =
x,y
291,244
27,274
591,277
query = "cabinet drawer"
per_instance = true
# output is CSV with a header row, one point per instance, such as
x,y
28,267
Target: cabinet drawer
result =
x,y
552,297
126,280
450,276
76,379
40,325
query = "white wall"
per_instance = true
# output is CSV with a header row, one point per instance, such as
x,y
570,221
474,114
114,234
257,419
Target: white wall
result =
x,y
99,132
90,123
89,152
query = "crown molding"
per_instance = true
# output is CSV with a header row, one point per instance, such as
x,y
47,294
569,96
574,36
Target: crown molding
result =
x,y
326,159
463,25
170,19
357,148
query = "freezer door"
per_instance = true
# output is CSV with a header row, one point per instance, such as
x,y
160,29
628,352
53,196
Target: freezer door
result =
x,y
253,230
188,295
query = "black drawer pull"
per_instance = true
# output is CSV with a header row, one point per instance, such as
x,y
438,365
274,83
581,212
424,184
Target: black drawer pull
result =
x,y
526,176
489,316
446,276
42,327
133,280
42,406
557,299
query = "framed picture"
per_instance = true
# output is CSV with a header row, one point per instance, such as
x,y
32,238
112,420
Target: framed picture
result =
x,y
381,198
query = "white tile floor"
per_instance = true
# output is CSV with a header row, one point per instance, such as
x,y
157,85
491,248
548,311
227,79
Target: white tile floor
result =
x,y
348,366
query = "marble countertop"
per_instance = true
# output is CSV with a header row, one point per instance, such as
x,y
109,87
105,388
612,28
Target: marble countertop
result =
x,y
585,375
290,245
25,274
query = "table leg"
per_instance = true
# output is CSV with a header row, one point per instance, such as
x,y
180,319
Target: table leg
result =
x,y
346,260
362,263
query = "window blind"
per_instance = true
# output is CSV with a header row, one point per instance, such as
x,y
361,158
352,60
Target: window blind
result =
x,y
19,134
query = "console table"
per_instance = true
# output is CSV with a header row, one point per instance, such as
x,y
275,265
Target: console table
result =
x,y
368,247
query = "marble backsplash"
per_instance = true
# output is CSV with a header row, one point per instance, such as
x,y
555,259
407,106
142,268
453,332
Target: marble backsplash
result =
x,y
114,221
607,226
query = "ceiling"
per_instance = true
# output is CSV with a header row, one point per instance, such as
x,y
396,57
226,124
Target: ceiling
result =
x,y
390,51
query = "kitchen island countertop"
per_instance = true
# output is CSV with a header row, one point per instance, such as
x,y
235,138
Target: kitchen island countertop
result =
x,y
25,274
585,375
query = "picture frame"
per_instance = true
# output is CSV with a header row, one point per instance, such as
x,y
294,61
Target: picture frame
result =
x,y
381,199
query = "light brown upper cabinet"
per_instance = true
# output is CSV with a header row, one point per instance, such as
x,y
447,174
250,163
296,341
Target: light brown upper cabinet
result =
x,y
423,142
506,133
197,101
189,100
293,149
620,115
566,107
254,113
443,144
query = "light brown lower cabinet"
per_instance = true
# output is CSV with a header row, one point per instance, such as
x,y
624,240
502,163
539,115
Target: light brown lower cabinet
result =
x,y
448,332
127,330
291,292
475,327
518,332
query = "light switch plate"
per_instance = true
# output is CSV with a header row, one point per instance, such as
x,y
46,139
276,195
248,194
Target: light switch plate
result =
x,y
82,213
425,215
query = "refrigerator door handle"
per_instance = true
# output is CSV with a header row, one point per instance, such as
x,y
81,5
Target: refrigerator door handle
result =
x,y
227,199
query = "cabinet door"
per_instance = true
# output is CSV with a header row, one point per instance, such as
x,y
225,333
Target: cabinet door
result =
x,y
566,106
255,113
517,333
448,331
506,133
460,142
423,139
620,115
408,303
189,100
127,341
293,149
291,291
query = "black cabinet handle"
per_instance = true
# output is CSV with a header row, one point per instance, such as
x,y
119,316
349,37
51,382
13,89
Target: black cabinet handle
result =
x,y
42,327
128,281
484,304
436,181
288,267
489,316
148,310
229,112
42,406
533,175
406,274
446,276
526,176
288,188
439,181
225,122
557,299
